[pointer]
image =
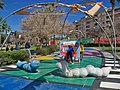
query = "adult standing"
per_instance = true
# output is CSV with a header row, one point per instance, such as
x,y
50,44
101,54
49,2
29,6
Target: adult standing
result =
x,y
27,46
17,46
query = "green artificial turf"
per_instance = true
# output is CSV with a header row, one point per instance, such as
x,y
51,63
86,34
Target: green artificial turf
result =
x,y
87,81
43,69
46,70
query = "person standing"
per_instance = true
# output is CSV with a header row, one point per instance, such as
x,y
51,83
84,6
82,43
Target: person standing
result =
x,y
7,48
11,48
27,46
81,50
17,46
35,52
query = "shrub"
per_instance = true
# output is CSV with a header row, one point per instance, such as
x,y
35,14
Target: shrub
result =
x,y
12,57
43,51
53,48
47,50
15,55
6,61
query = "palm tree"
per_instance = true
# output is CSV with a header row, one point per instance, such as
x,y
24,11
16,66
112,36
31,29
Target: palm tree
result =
x,y
1,4
4,26
113,7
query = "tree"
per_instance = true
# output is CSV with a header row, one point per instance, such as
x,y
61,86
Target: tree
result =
x,y
113,7
113,10
45,23
1,4
117,26
4,26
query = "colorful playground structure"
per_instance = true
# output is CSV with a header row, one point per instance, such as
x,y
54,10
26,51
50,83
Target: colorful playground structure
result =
x,y
76,46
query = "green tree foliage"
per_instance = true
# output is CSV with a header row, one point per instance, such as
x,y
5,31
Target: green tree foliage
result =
x,y
4,26
113,6
1,4
113,2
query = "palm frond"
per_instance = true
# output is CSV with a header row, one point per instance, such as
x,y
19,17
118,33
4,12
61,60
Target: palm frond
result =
x,y
1,5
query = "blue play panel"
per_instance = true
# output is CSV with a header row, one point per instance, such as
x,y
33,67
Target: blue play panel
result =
x,y
14,83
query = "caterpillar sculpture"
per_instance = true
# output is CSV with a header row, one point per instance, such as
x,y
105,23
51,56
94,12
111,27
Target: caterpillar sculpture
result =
x,y
29,67
82,72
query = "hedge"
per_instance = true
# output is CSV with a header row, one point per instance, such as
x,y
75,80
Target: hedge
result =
x,y
15,55
6,61
11,57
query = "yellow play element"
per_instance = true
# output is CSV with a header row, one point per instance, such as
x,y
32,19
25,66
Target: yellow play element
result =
x,y
45,58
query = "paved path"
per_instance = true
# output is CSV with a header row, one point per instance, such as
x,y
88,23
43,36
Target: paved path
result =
x,y
112,81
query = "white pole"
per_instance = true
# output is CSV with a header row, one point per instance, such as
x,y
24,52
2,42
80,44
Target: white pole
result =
x,y
5,40
114,32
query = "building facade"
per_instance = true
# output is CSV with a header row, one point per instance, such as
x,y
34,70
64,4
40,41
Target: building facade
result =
x,y
90,29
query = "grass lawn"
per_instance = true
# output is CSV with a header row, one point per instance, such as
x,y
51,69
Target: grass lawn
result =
x,y
23,47
118,54
107,48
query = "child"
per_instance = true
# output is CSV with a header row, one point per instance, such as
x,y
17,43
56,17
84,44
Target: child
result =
x,y
69,54
81,50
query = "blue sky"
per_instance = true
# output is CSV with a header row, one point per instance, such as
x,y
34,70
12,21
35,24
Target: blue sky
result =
x,y
12,5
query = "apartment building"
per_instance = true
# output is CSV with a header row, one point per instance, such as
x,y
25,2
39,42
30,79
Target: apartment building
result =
x,y
89,28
